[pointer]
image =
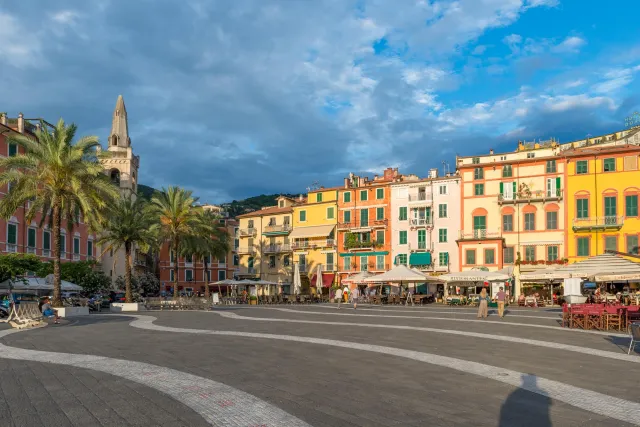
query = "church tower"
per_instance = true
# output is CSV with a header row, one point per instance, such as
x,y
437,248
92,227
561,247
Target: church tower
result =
x,y
122,166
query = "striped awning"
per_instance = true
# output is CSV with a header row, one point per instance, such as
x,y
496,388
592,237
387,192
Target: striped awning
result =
x,y
312,231
603,268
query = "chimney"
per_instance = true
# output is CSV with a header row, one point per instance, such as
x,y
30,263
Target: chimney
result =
x,y
490,150
3,118
21,123
346,183
301,197
433,173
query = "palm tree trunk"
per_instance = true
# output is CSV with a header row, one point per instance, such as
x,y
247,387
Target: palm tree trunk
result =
x,y
57,295
177,269
206,278
127,273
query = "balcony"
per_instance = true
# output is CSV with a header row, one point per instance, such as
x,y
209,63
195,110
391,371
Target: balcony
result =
x,y
481,234
421,222
378,223
247,232
247,250
31,251
532,196
313,244
12,248
372,223
420,247
275,229
598,223
361,246
349,268
373,266
272,249
329,267
421,197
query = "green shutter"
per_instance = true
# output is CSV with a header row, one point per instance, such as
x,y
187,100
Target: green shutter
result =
x,y
31,238
502,188
76,246
89,248
558,185
319,197
12,234
380,214
364,217
303,215
380,236
631,205
347,216
514,189
13,150
46,244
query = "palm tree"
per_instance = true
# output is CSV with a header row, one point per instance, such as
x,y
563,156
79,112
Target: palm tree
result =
x,y
178,220
61,179
209,240
129,223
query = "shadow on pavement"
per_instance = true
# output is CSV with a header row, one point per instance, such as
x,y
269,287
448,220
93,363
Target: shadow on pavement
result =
x,y
622,343
526,408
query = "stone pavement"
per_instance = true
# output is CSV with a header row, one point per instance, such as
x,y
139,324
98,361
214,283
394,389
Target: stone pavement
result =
x,y
324,385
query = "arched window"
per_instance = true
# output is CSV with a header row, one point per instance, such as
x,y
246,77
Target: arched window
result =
x,y
115,176
114,139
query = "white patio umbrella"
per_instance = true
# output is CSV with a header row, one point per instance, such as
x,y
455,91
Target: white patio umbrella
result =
x,y
359,277
319,280
474,276
402,274
297,284
603,268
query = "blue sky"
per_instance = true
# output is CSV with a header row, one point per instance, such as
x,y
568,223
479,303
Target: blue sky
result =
x,y
239,98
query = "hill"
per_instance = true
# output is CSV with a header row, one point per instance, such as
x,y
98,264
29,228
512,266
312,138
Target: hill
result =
x,y
239,207
145,191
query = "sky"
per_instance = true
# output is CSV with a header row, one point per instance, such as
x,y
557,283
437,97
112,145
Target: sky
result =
x,y
238,98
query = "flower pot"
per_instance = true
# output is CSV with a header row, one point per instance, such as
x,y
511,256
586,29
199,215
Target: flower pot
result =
x,y
253,302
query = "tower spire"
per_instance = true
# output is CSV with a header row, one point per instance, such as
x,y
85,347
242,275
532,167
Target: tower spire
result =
x,y
119,136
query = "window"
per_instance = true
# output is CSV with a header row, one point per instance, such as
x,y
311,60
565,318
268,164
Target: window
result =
x,y
379,193
529,253
76,245
552,253
610,206
46,242
328,258
553,187
631,205
489,256
403,237
380,236
364,217
442,211
529,221
346,263
582,208
401,259
363,195
443,259
507,222
443,189
303,216
31,237
379,214
250,224
347,216
90,248
478,173
346,197
422,239
480,222
380,262
582,167
272,261
507,171
478,189
402,216
286,261
471,256
583,246
319,197
531,155
12,234
442,235
171,275
13,150
608,165
475,160
364,263
630,163
236,260
610,243
552,220
63,243
632,244
188,259
250,262
188,275
222,275
508,255
330,213
281,204
551,166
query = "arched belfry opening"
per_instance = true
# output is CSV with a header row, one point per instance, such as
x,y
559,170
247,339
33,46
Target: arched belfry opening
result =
x,y
115,176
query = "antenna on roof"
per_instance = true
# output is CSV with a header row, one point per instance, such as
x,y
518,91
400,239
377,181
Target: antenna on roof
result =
x,y
445,166
314,186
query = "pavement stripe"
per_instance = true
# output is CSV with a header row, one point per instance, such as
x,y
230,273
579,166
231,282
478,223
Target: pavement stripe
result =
x,y
516,340
452,319
551,316
588,400
217,403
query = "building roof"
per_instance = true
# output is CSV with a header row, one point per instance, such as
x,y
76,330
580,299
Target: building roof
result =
x,y
595,150
325,189
267,211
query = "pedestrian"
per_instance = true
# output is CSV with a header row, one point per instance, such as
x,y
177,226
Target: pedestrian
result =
x,y
339,296
345,293
354,297
500,297
48,311
483,307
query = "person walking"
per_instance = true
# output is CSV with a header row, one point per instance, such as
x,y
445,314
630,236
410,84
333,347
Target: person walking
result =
x,y
345,293
355,294
339,296
500,297
483,306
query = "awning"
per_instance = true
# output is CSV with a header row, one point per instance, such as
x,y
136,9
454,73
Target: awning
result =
x,y
327,279
606,267
356,254
312,231
420,258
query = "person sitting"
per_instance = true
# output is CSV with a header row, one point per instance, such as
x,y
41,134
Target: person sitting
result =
x,y
48,311
521,299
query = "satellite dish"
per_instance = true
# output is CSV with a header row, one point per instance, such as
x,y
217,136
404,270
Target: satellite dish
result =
x,y
49,280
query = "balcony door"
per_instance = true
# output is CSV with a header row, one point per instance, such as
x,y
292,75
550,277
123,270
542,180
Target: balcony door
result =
x,y
479,226
422,239
364,217
610,211
553,187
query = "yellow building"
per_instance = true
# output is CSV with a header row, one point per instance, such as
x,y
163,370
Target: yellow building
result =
x,y
603,186
313,236
264,248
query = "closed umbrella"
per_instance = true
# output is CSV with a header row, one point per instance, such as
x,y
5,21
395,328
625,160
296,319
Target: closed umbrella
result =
x,y
319,280
297,284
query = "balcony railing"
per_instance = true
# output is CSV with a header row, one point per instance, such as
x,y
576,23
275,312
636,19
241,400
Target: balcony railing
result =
x,y
270,249
31,250
372,223
329,267
374,266
76,257
359,246
247,232
277,228
46,253
349,267
312,244
421,197
421,222
378,223
601,222
12,248
532,196
247,250
480,234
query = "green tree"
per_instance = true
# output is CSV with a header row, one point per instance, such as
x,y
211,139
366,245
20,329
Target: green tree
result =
x,y
130,222
209,239
14,265
178,220
61,179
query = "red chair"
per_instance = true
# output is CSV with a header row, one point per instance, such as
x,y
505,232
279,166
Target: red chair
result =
x,y
578,317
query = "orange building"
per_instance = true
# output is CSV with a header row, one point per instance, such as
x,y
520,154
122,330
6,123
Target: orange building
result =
x,y
364,229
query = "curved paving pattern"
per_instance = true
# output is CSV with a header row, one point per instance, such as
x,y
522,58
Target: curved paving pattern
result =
x,y
584,399
217,403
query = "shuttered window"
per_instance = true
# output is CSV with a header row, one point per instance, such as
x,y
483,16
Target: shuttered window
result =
x,y
12,234
31,238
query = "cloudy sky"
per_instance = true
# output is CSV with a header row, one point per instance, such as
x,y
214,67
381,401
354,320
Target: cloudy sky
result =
x,y
233,98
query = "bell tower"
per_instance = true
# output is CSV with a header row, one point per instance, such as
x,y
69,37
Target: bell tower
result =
x,y
122,166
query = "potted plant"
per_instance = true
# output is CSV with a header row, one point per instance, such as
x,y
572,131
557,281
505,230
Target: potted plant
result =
x,y
253,300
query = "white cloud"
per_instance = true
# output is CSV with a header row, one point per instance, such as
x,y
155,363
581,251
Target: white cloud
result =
x,y
479,50
513,41
570,44
562,103
575,83
18,46
66,17
615,79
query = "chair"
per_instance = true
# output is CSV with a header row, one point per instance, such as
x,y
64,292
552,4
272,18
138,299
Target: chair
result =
x,y
635,336
578,318
612,318
593,319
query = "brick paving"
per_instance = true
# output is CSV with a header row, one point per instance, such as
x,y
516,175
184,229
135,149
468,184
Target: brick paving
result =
x,y
320,385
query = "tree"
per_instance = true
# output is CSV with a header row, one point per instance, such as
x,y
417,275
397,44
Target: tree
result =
x,y
61,179
14,265
209,239
129,223
144,284
178,220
